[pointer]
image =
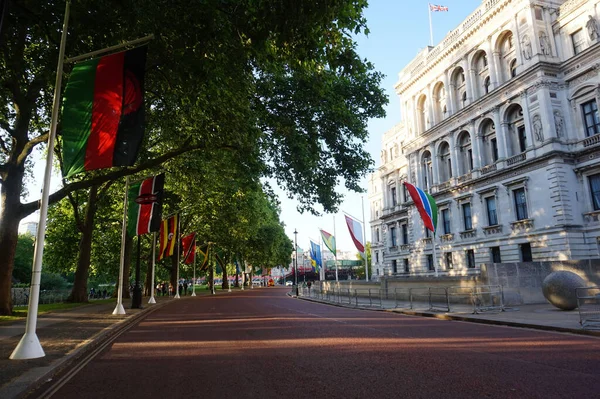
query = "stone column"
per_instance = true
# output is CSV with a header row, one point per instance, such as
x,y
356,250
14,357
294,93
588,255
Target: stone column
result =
x,y
449,98
551,39
430,116
468,81
527,119
492,64
434,164
545,109
454,154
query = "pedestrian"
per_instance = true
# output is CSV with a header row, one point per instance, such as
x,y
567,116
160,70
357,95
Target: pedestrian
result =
x,y
185,287
309,284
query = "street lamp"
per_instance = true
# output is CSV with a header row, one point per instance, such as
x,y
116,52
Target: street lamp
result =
x,y
296,260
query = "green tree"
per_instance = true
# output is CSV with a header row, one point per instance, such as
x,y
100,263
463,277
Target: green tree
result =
x,y
24,258
360,272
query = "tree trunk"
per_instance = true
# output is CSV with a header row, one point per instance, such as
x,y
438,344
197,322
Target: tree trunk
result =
x,y
149,283
127,266
225,283
12,183
174,281
79,291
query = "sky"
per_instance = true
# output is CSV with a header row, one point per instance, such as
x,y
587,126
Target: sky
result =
x,y
398,31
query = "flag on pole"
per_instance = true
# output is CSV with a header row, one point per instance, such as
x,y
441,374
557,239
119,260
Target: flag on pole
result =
x,y
329,241
354,226
315,255
433,7
425,205
103,112
168,237
189,248
145,205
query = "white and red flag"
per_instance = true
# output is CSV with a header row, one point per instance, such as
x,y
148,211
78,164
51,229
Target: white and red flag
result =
x,y
433,7
356,233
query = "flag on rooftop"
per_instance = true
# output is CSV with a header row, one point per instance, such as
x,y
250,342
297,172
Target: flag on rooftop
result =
x,y
354,226
434,7
425,205
329,241
103,112
145,205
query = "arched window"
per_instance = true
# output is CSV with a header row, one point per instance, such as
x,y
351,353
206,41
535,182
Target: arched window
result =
x,y
439,102
445,166
427,170
466,153
463,99
422,113
486,85
506,50
490,142
517,137
480,67
459,87
513,68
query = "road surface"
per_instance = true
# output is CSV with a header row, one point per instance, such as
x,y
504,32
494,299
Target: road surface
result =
x,y
262,344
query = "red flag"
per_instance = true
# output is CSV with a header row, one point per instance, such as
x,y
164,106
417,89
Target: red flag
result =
x,y
189,248
434,7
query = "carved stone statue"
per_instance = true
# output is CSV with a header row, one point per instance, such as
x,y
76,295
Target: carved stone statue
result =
x,y
537,128
526,47
545,44
592,28
383,156
559,122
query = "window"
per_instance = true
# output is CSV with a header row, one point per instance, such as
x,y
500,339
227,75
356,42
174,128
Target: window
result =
x,y
464,98
406,266
494,147
590,118
526,252
485,61
578,40
470,255
495,252
393,236
520,203
595,191
376,257
513,68
448,259
393,195
486,85
405,193
404,232
430,263
377,234
490,204
427,233
466,210
394,266
446,221
522,138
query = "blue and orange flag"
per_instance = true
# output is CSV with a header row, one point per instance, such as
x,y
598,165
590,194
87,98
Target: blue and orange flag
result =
x,y
315,255
425,205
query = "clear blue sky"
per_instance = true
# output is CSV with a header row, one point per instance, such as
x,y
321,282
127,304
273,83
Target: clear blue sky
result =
x,y
398,30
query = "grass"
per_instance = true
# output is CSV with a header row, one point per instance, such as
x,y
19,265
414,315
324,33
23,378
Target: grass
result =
x,y
21,312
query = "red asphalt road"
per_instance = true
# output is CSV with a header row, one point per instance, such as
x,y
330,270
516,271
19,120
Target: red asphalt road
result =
x,y
261,344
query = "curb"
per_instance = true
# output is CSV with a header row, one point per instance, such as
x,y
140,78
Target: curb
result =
x,y
445,316
34,384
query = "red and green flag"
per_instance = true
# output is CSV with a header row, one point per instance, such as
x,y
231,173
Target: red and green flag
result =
x,y
167,237
329,241
145,205
103,112
189,248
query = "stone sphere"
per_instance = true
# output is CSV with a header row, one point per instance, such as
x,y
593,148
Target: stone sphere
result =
x,y
559,289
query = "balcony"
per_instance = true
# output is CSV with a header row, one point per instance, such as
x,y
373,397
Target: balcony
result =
x,y
521,225
468,234
488,169
516,159
405,248
491,230
447,237
464,178
591,141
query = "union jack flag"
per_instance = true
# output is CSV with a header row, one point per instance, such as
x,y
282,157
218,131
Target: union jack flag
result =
x,y
434,7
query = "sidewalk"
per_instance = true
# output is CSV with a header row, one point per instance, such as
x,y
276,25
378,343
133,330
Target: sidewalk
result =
x,y
65,336
539,316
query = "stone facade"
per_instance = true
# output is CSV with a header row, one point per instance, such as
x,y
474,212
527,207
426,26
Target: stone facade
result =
x,y
500,125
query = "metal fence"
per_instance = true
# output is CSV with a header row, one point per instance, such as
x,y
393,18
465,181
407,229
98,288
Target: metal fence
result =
x,y
21,297
588,303
483,298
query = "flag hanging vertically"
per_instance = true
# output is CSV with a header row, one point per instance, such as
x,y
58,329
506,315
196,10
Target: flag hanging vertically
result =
x,y
168,237
425,205
189,248
315,254
329,241
145,205
434,7
356,233
103,112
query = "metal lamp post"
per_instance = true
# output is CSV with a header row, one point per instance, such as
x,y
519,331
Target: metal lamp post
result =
x,y
296,260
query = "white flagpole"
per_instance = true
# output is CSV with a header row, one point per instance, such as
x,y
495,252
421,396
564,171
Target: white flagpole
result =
x,y
194,280
365,239
434,256
29,347
177,234
152,287
335,254
119,309
430,27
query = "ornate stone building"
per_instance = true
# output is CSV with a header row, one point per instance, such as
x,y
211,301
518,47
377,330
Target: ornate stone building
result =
x,y
501,126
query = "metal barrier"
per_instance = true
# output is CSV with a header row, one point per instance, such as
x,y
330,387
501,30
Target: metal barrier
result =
x,y
588,303
483,298
438,299
402,298
368,297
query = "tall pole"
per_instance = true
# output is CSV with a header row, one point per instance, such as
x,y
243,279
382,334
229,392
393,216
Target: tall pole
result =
x,y
152,300
177,235
29,347
335,254
136,299
194,279
119,309
430,27
212,269
365,238
296,260
434,255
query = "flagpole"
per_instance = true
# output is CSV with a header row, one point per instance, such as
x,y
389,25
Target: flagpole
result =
x,y
29,347
434,256
109,49
152,300
194,280
119,308
321,271
365,238
335,254
177,234
430,27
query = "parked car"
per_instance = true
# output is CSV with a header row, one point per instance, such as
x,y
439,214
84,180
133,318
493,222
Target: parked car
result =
x,y
288,283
